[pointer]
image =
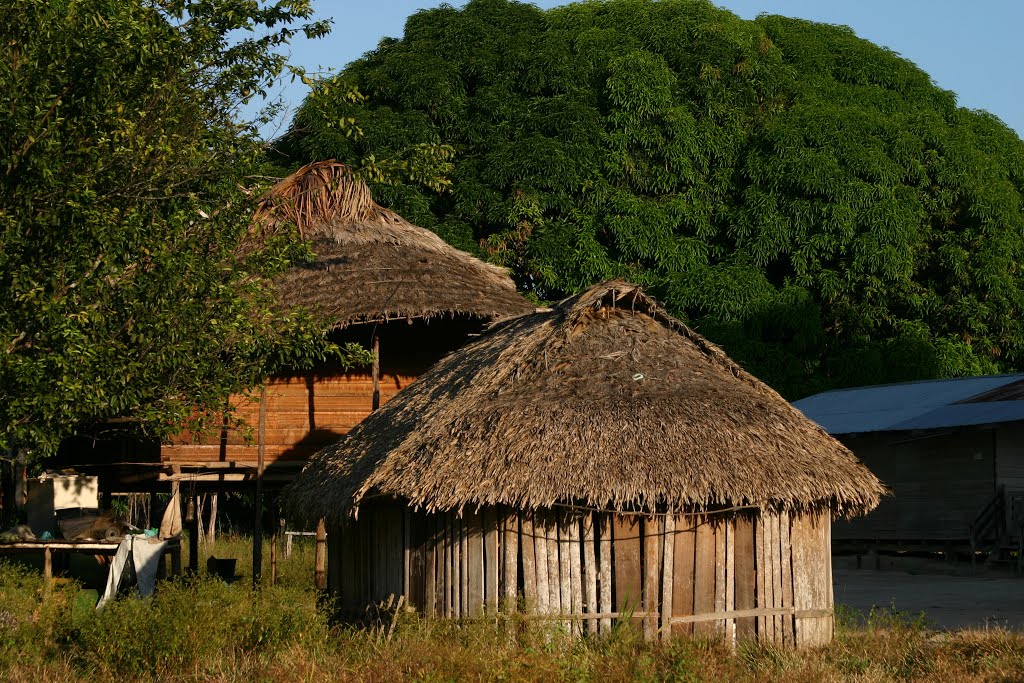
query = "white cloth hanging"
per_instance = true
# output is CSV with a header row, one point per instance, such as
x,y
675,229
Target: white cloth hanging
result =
x,y
144,554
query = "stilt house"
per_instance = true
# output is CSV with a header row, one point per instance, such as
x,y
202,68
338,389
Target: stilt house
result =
x,y
953,452
594,462
379,280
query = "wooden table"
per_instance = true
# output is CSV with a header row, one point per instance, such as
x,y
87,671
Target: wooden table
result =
x,y
173,549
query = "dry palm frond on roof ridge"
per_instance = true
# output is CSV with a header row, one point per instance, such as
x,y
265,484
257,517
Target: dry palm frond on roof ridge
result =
x,y
371,263
604,401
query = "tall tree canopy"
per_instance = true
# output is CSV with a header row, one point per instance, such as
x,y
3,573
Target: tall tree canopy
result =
x,y
131,285
810,200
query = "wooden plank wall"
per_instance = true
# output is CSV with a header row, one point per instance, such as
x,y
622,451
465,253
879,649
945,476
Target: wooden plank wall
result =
x,y
957,469
737,577
304,414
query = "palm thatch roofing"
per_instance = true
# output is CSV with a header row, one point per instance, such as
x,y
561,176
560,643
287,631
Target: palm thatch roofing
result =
x,y
371,264
603,401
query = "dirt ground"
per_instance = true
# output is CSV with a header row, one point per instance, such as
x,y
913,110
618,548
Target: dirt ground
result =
x,y
949,597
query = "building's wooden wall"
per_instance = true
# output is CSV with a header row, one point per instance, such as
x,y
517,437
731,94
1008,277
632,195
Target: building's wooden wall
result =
x,y
1010,471
304,414
307,412
939,481
743,577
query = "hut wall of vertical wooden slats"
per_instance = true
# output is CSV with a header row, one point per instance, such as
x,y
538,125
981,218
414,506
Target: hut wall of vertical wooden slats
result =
x,y
736,575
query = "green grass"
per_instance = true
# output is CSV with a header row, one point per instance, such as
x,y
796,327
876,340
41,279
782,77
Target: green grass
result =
x,y
201,629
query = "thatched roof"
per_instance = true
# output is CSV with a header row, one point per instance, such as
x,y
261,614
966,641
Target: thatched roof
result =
x,y
604,401
371,263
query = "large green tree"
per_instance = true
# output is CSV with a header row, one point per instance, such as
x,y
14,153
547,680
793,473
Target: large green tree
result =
x,y
132,285
809,199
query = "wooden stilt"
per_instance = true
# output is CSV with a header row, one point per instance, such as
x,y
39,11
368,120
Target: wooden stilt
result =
x,y
375,373
257,527
320,558
273,555
193,535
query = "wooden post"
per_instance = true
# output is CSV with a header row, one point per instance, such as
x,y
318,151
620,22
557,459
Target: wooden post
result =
x,y
531,591
554,577
376,372
562,527
273,555
47,565
193,534
320,562
703,574
786,560
745,577
730,580
493,529
257,527
282,526
683,554
176,558
511,548
720,572
590,570
652,564
456,584
667,576
575,571
540,547
434,543
605,576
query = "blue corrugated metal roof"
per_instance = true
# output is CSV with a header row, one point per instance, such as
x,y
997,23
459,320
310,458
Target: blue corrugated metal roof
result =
x,y
911,405
964,414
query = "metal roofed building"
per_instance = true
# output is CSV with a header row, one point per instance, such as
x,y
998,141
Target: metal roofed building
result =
x,y
951,450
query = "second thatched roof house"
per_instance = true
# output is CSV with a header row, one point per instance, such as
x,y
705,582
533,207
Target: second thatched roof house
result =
x,y
394,287
591,462
378,280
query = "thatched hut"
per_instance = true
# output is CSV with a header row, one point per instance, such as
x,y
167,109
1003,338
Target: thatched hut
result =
x,y
590,463
377,279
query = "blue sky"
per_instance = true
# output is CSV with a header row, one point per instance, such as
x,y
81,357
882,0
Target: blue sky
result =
x,y
969,47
